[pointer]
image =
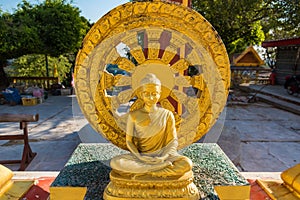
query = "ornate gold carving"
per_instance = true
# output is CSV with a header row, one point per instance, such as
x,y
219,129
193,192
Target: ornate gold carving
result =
x,y
88,47
113,55
138,55
179,96
107,80
114,17
137,105
121,80
139,8
153,8
96,36
187,27
165,103
125,96
183,81
124,188
154,34
180,65
153,51
104,26
198,82
125,64
168,56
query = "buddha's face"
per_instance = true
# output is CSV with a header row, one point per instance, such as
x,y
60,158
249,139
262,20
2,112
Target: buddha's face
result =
x,y
151,94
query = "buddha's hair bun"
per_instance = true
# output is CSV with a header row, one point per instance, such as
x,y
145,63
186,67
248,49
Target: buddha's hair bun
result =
x,y
150,79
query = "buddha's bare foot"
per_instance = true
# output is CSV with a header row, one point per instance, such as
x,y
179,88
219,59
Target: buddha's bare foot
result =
x,y
136,176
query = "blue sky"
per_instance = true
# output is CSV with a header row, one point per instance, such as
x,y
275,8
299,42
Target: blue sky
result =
x,y
90,9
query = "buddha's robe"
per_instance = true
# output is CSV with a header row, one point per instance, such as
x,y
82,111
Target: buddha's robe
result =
x,y
156,139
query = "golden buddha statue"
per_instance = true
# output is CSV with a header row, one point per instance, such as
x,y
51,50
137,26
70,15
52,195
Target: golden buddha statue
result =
x,y
153,168
151,139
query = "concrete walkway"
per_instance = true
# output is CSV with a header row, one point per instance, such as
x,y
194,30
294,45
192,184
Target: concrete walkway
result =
x,y
261,138
54,137
257,137
276,91
275,95
263,135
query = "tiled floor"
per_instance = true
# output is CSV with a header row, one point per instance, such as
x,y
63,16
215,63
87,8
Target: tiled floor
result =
x,y
257,193
40,191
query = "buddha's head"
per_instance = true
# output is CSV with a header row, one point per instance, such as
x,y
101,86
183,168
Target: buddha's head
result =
x,y
151,89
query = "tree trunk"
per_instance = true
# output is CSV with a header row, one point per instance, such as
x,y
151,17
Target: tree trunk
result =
x,y
47,65
4,83
47,70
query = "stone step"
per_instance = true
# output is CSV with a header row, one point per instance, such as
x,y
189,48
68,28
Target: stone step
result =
x,y
276,100
279,103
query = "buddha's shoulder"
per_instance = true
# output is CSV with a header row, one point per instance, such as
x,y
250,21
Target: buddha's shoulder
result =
x,y
160,109
135,113
165,112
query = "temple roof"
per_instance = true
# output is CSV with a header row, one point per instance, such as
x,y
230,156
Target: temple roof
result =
x,y
248,58
282,42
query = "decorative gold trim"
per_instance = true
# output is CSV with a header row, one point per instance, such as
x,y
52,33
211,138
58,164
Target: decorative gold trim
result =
x,y
120,25
149,188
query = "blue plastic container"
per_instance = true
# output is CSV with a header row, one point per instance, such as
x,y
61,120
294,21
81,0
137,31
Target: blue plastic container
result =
x,y
12,95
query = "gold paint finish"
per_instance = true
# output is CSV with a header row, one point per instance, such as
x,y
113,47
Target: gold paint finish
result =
x,y
151,138
286,189
291,178
149,188
152,33
67,193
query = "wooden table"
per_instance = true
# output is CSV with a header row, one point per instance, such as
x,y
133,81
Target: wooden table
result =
x,y
23,119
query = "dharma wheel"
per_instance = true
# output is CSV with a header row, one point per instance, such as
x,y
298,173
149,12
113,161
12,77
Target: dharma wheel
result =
x,y
172,41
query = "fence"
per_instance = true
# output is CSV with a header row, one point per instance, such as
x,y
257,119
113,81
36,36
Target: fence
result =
x,y
44,82
254,75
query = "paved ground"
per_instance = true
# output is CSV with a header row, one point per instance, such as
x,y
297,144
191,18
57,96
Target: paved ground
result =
x,y
257,137
261,138
267,139
54,137
277,91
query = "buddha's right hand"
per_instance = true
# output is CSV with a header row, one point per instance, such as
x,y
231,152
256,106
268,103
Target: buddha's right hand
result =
x,y
150,160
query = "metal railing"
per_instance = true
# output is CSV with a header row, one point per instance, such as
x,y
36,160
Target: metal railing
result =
x,y
43,82
254,75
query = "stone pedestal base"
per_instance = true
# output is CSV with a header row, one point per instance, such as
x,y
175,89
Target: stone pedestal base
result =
x,y
121,188
12,189
88,171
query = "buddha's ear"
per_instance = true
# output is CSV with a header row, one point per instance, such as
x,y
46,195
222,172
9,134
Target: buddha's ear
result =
x,y
138,104
138,93
160,90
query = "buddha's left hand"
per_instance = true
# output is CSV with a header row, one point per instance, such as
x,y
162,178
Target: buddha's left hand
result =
x,y
159,159
153,160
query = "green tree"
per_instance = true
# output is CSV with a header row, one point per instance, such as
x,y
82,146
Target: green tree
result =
x,y
247,22
17,36
241,23
237,22
33,65
283,20
52,28
60,27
